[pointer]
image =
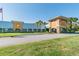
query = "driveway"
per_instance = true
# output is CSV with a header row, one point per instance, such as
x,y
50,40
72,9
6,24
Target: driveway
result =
x,y
8,41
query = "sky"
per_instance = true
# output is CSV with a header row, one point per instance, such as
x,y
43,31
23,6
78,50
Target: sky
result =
x,y
32,12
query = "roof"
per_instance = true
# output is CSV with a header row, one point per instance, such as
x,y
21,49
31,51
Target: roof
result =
x,y
59,17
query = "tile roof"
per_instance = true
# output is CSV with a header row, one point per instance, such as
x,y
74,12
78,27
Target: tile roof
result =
x,y
59,17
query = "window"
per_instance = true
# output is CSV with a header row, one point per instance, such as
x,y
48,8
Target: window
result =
x,y
35,30
29,30
43,30
24,30
39,30
10,30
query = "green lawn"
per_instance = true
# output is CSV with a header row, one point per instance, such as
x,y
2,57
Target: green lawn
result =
x,y
62,46
17,34
10,34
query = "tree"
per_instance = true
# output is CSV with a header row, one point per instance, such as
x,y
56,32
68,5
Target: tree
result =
x,y
71,20
40,23
44,23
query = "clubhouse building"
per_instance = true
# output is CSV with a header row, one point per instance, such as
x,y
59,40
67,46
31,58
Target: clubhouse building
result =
x,y
17,26
58,24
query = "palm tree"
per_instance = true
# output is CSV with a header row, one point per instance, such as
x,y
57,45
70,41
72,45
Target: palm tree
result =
x,y
44,23
40,24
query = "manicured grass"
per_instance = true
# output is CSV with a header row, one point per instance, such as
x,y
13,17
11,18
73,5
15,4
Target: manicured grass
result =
x,y
10,34
17,34
59,47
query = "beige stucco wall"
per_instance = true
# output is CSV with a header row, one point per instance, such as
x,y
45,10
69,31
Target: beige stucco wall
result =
x,y
63,23
54,24
17,25
57,24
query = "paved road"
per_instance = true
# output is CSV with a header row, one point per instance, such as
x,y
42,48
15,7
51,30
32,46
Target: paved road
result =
x,y
8,41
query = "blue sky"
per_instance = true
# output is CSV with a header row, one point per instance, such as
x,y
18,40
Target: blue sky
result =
x,y
31,12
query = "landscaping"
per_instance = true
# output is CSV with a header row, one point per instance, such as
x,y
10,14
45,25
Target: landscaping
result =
x,y
10,34
19,34
67,46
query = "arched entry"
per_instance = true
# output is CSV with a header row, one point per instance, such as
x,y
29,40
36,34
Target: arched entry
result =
x,y
54,30
63,30
17,30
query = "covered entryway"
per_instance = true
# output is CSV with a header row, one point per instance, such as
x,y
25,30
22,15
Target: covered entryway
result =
x,y
54,30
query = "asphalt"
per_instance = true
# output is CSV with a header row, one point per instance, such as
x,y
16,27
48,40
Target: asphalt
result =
x,y
8,41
